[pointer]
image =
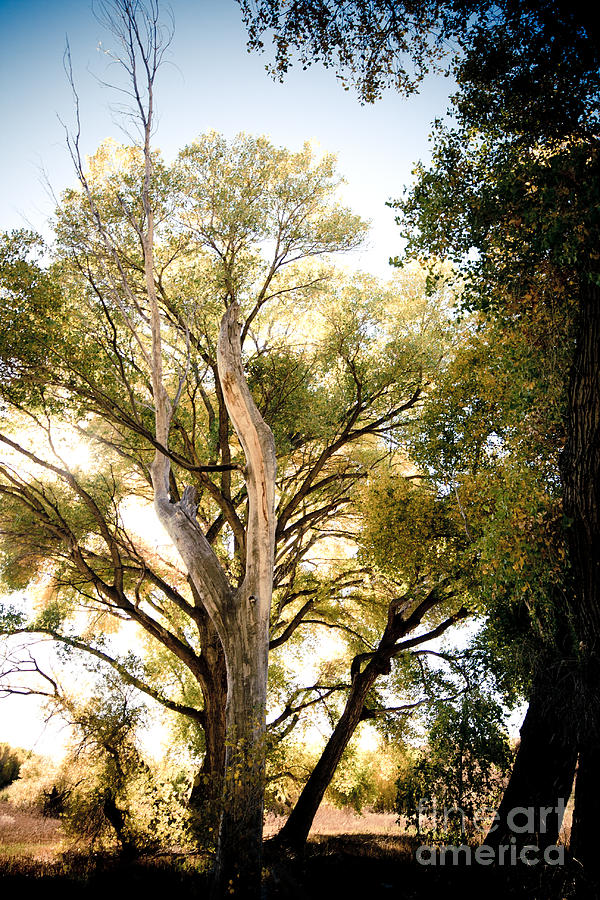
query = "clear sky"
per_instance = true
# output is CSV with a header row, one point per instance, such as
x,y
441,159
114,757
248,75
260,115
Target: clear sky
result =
x,y
211,83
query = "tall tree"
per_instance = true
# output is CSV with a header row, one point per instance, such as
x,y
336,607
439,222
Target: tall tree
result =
x,y
517,183
517,180
122,340
417,541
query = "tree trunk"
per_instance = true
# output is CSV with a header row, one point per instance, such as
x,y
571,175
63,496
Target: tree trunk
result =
x,y
239,851
584,836
295,831
580,472
542,775
240,616
205,798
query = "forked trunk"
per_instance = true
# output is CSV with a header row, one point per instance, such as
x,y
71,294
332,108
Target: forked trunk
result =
x,y
240,616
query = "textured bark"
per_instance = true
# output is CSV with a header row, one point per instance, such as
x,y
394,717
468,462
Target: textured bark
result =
x,y
542,775
580,471
240,615
239,851
205,798
246,636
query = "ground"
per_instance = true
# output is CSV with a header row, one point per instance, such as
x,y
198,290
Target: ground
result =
x,y
348,856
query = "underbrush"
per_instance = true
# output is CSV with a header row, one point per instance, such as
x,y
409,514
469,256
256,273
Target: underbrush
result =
x,y
101,876
373,859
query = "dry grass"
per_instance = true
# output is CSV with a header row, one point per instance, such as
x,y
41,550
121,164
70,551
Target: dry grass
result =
x,y
331,821
348,855
25,833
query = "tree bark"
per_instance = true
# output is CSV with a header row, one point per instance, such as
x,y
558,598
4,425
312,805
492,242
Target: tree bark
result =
x,y
542,775
239,850
580,472
205,797
240,616
295,831
246,636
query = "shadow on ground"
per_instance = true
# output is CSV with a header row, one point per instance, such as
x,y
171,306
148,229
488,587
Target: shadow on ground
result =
x,y
352,867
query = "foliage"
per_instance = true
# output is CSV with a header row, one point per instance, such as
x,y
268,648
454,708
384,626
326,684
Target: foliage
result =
x,y
40,786
371,45
455,781
541,57
11,760
337,365
104,790
366,778
511,198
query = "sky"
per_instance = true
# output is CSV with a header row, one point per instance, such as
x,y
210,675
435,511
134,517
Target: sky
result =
x,y
211,82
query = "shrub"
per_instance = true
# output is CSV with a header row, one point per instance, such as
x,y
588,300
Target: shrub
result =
x,y
11,760
457,778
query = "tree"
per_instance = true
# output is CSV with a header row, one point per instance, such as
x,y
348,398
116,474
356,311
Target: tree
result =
x,y
461,768
358,361
11,760
417,541
510,180
127,346
372,44
516,182
113,791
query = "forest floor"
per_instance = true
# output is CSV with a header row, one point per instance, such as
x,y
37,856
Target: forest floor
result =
x,y
348,856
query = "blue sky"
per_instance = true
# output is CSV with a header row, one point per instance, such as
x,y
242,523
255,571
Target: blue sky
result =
x,y
211,83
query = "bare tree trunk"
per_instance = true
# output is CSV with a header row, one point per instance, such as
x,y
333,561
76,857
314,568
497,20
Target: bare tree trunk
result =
x,y
580,471
296,830
240,616
205,797
542,775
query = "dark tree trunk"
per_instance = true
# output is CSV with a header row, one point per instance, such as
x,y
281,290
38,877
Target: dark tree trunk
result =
x,y
580,472
584,831
206,796
239,851
563,720
295,831
542,775
118,820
